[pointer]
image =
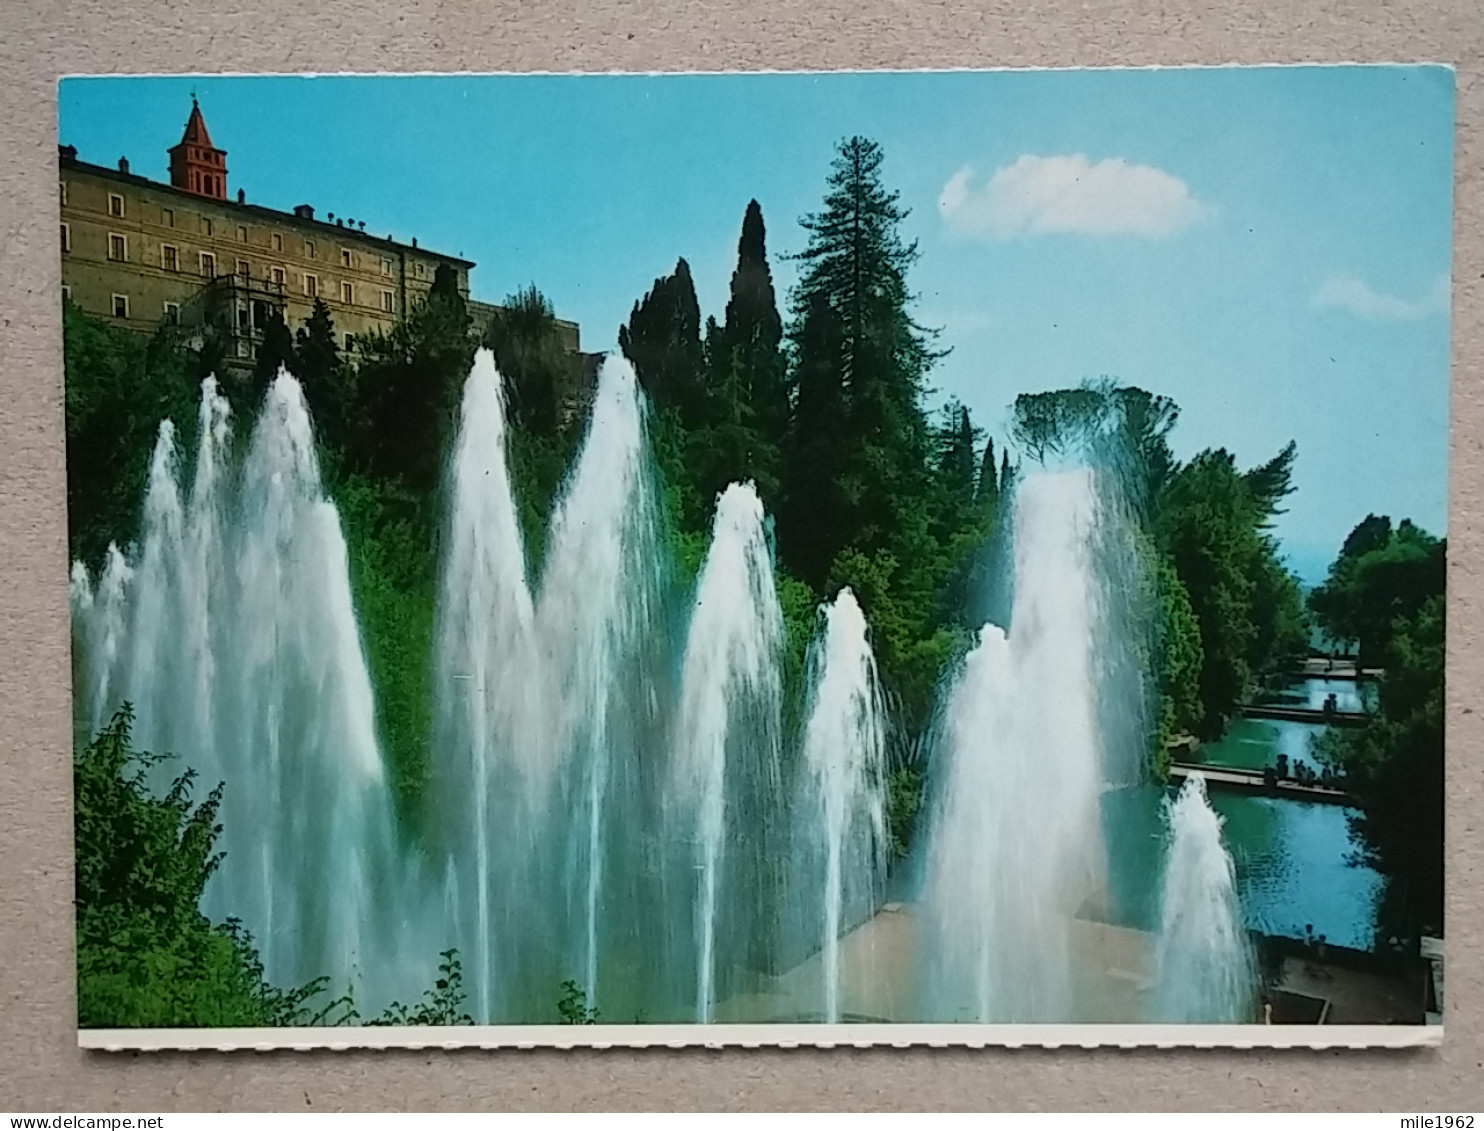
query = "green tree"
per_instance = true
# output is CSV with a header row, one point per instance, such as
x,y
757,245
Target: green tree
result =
x,y
276,350
146,956
663,341
1181,657
323,375
987,489
1394,767
119,386
1380,576
408,383
532,357
747,359
730,447
956,456
857,262
814,512
1208,527
1272,482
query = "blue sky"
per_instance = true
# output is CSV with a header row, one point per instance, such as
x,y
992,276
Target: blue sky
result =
x,y
1268,246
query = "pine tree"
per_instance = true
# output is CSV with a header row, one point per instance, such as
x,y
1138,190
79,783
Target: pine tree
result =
x,y
815,512
1007,474
857,263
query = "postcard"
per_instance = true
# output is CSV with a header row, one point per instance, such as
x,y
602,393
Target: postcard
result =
x,y
778,558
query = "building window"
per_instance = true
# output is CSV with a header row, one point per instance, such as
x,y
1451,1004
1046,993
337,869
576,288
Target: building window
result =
x,y
311,286
115,204
118,247
277,242
243,270
419,270
350,342
208,264
206,225
66,293
242,322
386,301
241,233
66,237
62,186
277,275
167,217
345,257
347,293
386,266
121,306
309,248
169,257
172,314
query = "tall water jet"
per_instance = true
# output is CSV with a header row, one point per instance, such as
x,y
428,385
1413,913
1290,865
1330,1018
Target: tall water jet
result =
x,y
844,763
1205,968
493,761
240,650
1015,843
595,613
306,716
727,738
101,616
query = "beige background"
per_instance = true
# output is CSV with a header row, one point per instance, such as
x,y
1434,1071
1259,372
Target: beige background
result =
x,y
40,1067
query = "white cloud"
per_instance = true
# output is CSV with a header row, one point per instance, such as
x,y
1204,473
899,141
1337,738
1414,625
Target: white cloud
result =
x,y
1346,292
1039,195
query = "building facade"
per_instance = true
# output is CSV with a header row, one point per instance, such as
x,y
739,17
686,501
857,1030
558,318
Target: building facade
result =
x,y
141,254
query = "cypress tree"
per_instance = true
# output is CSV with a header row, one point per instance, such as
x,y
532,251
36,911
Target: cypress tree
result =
x,y
749,352
959,468
988,493
663,341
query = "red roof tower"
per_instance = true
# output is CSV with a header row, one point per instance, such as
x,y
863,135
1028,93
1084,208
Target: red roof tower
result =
x,y
195,164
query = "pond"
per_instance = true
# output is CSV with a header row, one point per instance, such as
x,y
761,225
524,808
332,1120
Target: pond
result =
x,y
1293,859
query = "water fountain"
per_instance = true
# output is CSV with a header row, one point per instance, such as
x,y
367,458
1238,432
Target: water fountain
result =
x,y
493,760
614,802
1206,971
727,748
842,814
597,612
235,640
1015,844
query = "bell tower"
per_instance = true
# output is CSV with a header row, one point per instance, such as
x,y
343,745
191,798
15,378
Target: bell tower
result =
x,y
195,164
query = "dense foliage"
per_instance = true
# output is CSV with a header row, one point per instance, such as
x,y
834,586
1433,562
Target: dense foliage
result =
x,y
1227,614
146,956
1385,592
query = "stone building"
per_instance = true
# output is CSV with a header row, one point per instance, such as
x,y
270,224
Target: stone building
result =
x,y
140,254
